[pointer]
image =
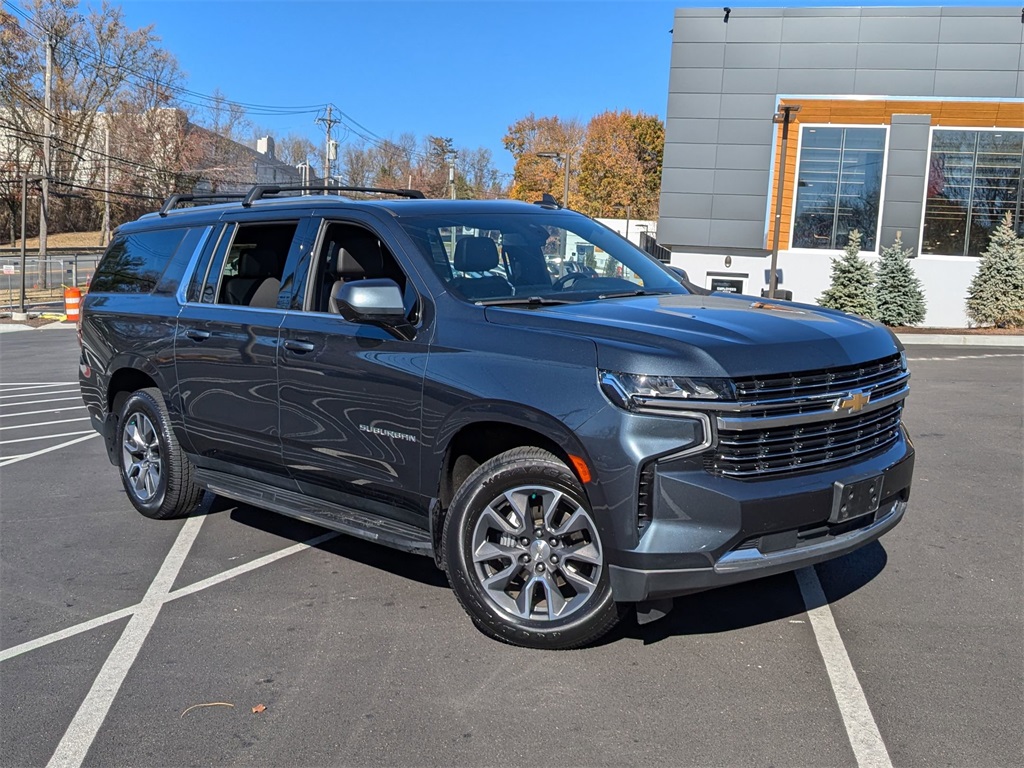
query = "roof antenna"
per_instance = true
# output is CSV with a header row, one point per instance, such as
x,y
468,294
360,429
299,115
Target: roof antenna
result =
x,y
727,10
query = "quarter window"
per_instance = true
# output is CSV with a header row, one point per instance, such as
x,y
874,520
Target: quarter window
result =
x,y
839,186
134,263
974,180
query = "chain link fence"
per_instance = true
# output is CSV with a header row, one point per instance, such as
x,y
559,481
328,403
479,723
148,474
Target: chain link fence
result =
x,y
45,279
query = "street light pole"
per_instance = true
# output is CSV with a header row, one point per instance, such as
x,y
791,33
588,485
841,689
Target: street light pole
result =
x,y
783,116
564,157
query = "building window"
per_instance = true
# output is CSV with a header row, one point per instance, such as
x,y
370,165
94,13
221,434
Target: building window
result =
x,y
975,179
839,186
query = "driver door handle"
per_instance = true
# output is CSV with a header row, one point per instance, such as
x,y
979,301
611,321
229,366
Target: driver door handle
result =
x,y
302,347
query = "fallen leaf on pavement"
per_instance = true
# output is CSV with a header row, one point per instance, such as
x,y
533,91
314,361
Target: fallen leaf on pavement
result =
x,y
211,704
258,708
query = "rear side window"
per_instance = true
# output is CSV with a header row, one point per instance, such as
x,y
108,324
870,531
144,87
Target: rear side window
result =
x,y
134,263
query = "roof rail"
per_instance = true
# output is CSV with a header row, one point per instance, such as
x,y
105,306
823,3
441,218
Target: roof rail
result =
x,y
260,191
172,202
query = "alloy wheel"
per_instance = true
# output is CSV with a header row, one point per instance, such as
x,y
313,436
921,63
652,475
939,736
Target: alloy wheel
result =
x,y
140,456
536,553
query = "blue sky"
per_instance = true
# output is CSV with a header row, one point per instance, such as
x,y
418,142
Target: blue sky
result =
x,y
461,69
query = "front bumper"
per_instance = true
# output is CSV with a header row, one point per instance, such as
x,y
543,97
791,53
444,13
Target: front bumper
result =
x,y
630,585
709,532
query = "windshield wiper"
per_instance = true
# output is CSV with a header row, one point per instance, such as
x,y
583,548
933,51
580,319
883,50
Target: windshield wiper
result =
x,y
638,292
529,301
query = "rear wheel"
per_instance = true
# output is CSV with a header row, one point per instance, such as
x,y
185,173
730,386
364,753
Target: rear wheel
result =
x,y
154,470
524,555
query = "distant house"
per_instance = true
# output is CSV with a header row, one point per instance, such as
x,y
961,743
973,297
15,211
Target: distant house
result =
x,y
911,122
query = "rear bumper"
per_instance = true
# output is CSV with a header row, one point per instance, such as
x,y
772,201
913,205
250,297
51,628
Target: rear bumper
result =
x,y
634,585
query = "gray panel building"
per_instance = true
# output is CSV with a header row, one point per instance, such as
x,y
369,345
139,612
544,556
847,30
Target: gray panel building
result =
x,y
911,121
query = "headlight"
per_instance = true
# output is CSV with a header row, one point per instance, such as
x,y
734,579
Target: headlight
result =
x,y
903,360
634,391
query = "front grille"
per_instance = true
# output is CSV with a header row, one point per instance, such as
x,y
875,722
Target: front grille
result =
x,y
812,391
783,450
801,421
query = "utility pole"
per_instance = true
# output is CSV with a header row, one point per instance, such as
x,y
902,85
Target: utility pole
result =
x,y
451,173
44,200
328,122
106,186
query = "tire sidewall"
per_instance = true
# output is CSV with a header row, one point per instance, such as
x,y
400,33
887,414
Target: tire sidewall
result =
x,y
144,403
480,489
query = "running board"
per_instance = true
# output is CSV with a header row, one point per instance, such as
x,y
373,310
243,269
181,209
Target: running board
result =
x,y
390,533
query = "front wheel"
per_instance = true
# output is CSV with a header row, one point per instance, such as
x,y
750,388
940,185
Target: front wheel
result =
x,y
155,472
524,555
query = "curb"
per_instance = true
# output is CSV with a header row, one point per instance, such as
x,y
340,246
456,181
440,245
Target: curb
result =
x,y
959,340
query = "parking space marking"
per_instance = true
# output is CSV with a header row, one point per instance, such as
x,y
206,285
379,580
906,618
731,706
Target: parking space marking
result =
x,y
90,715
44,437
43,423
37,402
964,357
24,456
861,729
11,386
37,394
85,626
49,410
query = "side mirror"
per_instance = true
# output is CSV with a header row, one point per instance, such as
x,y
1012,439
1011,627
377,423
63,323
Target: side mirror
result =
x,y
376,302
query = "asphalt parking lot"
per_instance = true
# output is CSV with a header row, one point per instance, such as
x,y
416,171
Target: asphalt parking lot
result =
x,y
114,627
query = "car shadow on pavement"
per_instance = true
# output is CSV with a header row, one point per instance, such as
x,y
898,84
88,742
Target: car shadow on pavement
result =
x,y
754,602
402,564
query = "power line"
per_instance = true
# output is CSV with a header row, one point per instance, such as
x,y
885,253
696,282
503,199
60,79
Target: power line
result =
x,y
256,109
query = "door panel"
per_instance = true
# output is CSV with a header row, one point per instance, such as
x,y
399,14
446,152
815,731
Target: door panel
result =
x,y
226,348
350,393
350,412
226,361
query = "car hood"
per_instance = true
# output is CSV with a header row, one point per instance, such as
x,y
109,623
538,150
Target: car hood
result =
x,y
714,335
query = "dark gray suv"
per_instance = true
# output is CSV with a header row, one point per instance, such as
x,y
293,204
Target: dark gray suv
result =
x,y
564,425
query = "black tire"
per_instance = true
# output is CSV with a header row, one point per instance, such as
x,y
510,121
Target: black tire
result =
x,y
519,469
154,471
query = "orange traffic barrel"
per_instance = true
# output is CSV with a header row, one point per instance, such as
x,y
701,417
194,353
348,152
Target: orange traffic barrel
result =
x,y
72,298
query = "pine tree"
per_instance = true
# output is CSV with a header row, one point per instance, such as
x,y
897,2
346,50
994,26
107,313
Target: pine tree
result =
x,y
996,294
898,293
853,282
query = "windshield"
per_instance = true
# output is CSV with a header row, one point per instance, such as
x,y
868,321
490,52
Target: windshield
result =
x,y
515,257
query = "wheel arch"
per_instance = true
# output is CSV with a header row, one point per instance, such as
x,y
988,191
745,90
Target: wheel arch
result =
x,y
485,430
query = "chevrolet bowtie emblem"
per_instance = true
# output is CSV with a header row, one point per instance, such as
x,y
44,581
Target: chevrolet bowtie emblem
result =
x,y
854,403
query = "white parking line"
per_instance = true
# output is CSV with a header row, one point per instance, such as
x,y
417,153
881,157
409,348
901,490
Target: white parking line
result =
x,y
191,589
38,394
861,729
90,716
9,386
963,357
42,423
22,457
44,437
48,410
37,402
